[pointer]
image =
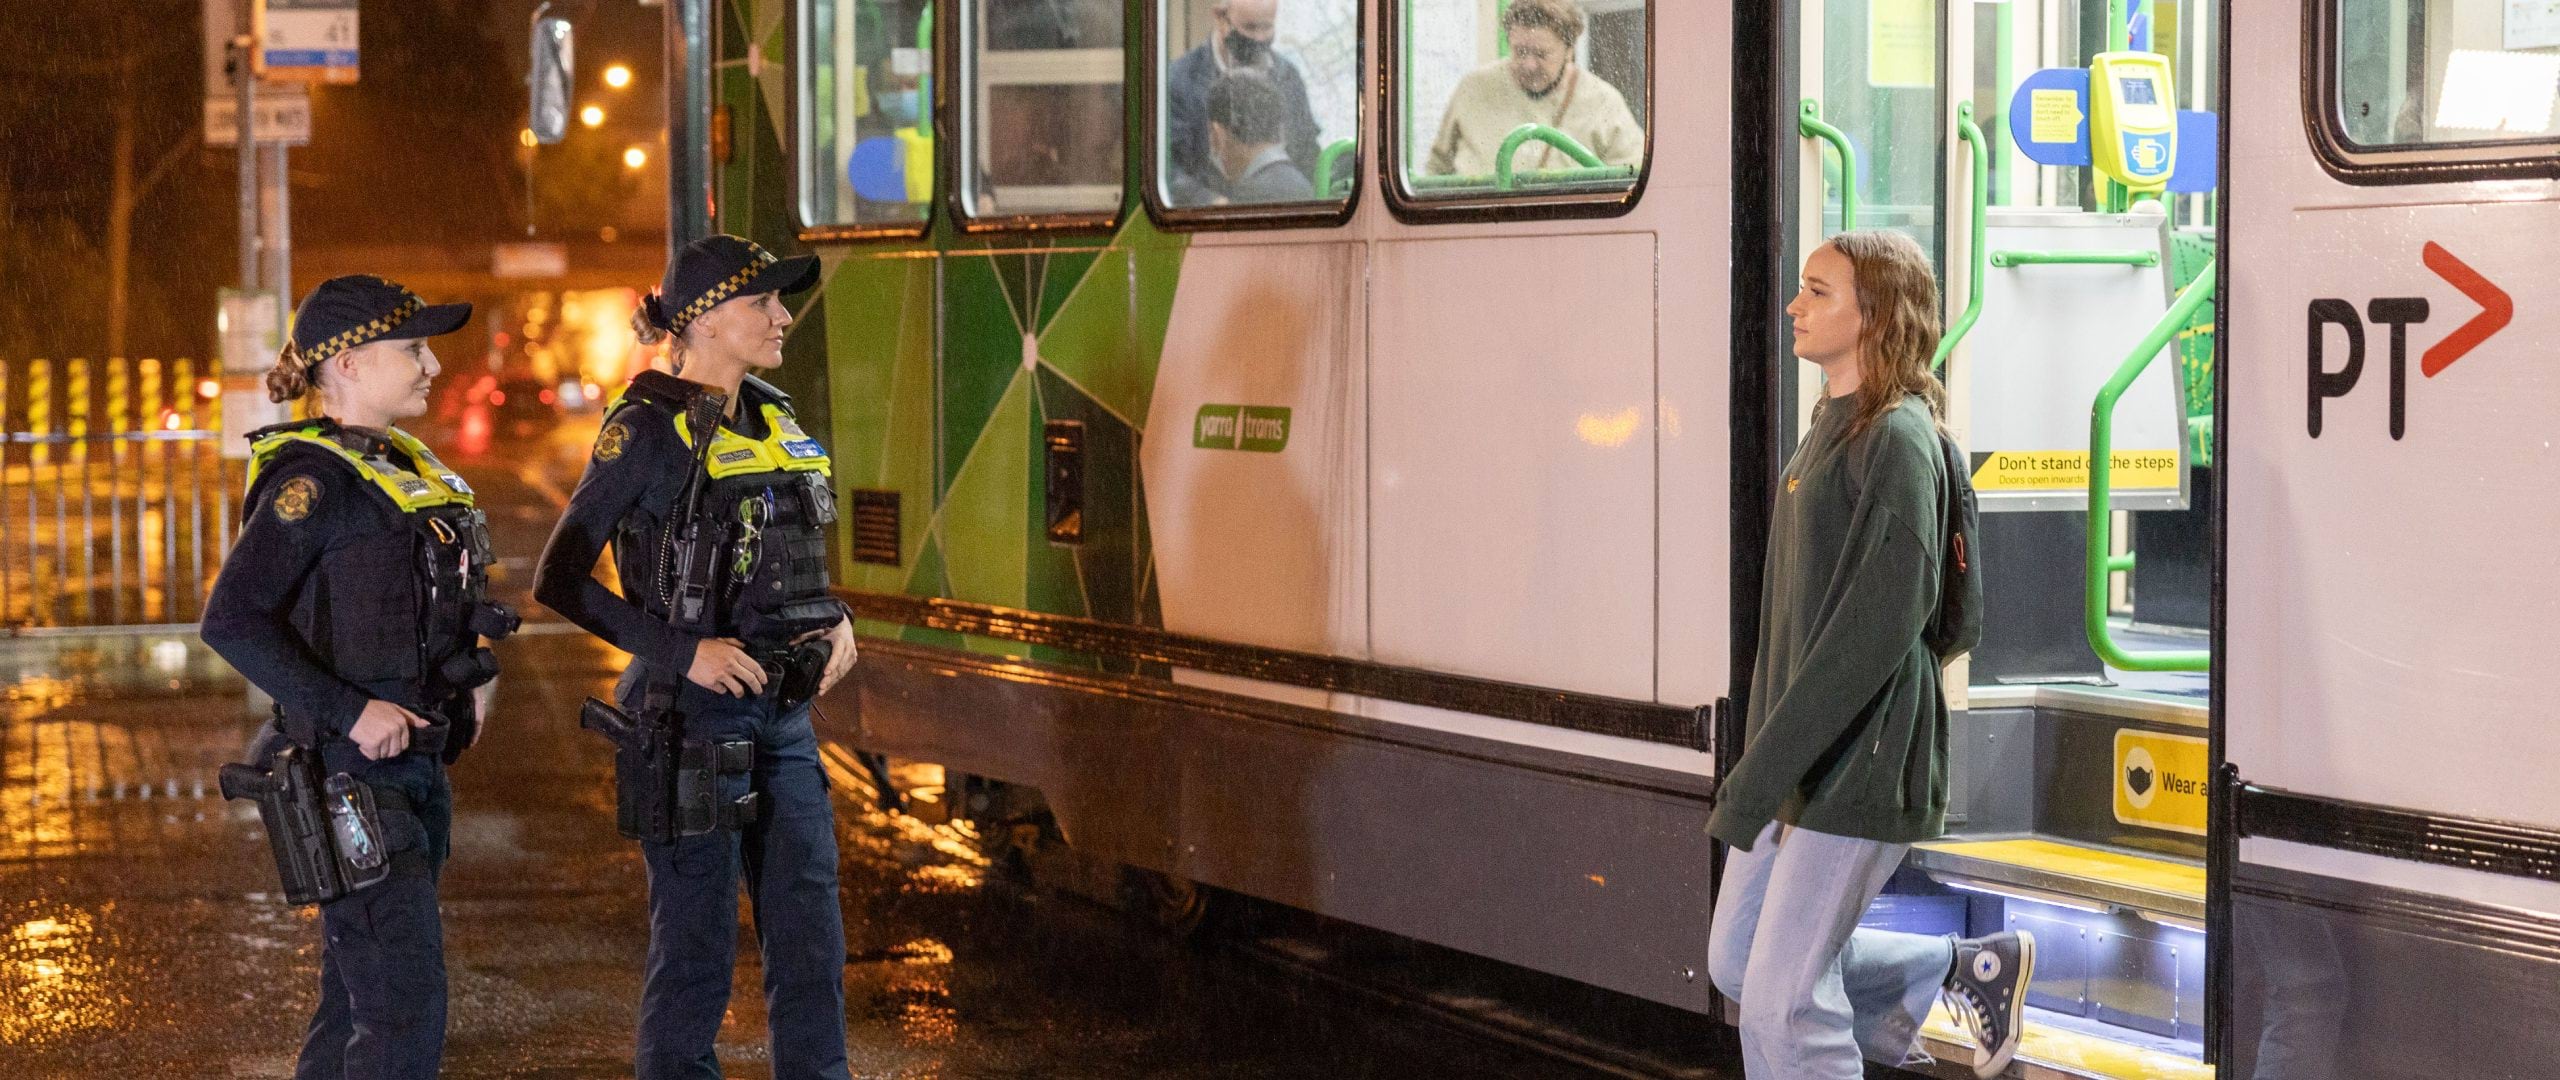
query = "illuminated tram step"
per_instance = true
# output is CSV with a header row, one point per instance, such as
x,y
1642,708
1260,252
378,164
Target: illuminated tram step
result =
x,y
2048,1052
2054,871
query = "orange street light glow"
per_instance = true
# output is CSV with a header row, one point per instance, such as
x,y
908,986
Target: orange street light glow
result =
x,y
592,116
617,76
634,158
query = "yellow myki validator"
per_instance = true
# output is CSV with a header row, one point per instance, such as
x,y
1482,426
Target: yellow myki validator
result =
x,y
2133,118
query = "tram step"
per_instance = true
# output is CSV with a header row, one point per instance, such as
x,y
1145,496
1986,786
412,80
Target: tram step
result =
x,y
2076,875
2051,1050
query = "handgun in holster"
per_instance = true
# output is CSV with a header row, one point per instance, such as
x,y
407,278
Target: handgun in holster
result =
x,y
326,833
667,786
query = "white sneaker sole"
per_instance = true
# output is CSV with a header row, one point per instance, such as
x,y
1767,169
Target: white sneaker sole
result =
x,y
2008,1048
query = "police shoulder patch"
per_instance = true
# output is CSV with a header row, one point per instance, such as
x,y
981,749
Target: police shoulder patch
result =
x,y
296,499
610,443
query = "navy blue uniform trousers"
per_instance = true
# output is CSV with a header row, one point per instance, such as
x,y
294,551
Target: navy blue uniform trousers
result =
x,y
786,861
382,988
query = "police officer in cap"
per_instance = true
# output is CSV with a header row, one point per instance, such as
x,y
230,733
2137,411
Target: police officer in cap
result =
x,y
739,667
355,597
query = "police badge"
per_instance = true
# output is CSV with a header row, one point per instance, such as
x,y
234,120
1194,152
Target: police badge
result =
x,y
295,501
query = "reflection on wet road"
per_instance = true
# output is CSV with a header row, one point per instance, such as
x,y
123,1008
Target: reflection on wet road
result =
x,y
140,937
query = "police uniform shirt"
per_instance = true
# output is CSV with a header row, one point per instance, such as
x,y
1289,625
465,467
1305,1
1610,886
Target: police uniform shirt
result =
x,y
639,466
304,507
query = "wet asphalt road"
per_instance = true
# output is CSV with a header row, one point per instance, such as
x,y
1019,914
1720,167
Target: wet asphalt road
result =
x,y
139,935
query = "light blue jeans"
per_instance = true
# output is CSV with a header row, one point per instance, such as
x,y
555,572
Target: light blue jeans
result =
x,y
1818,993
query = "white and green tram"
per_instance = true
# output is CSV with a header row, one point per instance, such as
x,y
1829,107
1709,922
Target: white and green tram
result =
x,y
1393,552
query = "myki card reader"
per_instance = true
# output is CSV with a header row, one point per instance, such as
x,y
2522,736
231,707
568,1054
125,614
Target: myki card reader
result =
x,y
2133,121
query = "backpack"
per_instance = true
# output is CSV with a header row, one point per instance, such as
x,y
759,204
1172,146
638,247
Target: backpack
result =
x,y
1957,626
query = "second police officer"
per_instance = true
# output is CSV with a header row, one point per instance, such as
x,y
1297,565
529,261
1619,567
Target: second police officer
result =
x,y
355,597
721,550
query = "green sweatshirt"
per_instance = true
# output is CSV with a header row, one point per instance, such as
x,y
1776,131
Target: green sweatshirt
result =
x,y
1847,730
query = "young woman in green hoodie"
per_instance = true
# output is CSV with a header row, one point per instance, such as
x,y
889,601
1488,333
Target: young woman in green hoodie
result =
x,y
1845,743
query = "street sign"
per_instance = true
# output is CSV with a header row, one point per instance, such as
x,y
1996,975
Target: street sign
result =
x,y
250,328
529,260
307,40
284,115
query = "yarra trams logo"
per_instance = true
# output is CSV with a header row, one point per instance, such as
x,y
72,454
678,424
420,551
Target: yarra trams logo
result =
x,y
2399,313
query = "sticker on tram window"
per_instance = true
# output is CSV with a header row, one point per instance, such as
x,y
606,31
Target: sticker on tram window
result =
x,y
2068,470
2161,781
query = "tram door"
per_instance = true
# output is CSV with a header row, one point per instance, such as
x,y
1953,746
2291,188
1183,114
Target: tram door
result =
x,y
2389,724
2079,753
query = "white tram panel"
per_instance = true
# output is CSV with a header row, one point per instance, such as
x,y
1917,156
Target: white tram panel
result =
x,y
1263,548
2390,609
1511,478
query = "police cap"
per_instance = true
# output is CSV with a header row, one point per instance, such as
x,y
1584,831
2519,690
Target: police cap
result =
x,y
348,311
716,268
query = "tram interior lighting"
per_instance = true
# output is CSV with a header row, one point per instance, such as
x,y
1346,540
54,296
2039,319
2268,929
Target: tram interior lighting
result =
x,y
2047,899
2486,90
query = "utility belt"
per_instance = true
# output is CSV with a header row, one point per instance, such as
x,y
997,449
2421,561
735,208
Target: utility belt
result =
x,y
667,786
325,831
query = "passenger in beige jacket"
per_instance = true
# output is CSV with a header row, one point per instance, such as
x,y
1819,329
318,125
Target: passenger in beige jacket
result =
x,y
1538,84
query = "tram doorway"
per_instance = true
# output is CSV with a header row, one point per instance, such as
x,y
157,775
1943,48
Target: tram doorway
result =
x,y
2079,751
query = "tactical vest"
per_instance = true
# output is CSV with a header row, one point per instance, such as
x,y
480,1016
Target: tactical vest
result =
x,y
771,500
397,620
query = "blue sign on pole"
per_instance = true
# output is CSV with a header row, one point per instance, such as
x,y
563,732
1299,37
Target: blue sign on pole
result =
x,y
2049,117
2199,152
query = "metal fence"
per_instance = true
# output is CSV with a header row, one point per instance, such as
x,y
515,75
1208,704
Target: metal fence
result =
x,y
115,504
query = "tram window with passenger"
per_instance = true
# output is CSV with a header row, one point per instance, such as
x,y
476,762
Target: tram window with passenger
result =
x,y
865,134
1529,99
1041,109
1256,103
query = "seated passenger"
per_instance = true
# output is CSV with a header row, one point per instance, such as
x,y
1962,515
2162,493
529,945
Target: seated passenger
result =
x,y
1538,84
1239,40
1246,111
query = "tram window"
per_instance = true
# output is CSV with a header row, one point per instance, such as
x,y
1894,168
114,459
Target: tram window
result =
x,y
865,125
1563,83
2420,73
1041,108
1257,102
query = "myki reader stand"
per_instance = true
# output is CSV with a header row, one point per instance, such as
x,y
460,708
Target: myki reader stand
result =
x,y
2134,136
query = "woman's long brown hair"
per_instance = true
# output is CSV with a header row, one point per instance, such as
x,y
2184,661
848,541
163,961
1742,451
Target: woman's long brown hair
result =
x,y
1898,314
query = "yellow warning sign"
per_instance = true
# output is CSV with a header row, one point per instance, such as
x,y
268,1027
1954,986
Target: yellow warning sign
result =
x,y
2161,781
2055,117
2068,470
1902,43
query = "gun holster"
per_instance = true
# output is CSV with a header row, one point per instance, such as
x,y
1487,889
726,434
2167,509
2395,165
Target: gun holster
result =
x,y
667,786
318,860
792,674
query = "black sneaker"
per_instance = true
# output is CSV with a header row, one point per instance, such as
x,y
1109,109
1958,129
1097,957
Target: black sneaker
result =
x,y
1989,991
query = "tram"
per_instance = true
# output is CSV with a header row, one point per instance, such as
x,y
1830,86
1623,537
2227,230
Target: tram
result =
x,y
1386,543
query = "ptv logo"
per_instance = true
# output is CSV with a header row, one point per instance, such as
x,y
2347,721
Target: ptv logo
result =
x,y
2399,313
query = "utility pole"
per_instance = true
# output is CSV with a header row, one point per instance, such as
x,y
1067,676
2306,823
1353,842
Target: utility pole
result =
x,y
245,77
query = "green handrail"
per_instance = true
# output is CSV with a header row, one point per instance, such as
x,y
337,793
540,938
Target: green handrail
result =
x,y
2101,506
1972,136
1522,135
1526,178
2006,259
1809,124
1324,166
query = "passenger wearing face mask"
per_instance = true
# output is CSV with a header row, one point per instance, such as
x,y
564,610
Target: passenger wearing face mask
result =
x,y
1537,84
1239,40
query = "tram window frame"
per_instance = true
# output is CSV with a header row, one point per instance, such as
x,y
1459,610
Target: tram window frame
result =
x,y
956,51
803,98
2367,165
1318,213
1413,208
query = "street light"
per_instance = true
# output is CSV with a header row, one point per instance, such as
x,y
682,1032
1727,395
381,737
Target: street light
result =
x,y
592,116
526,137
617,76
634,158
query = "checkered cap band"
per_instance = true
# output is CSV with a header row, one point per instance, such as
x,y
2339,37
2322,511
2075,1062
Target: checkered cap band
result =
x,y
357,335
